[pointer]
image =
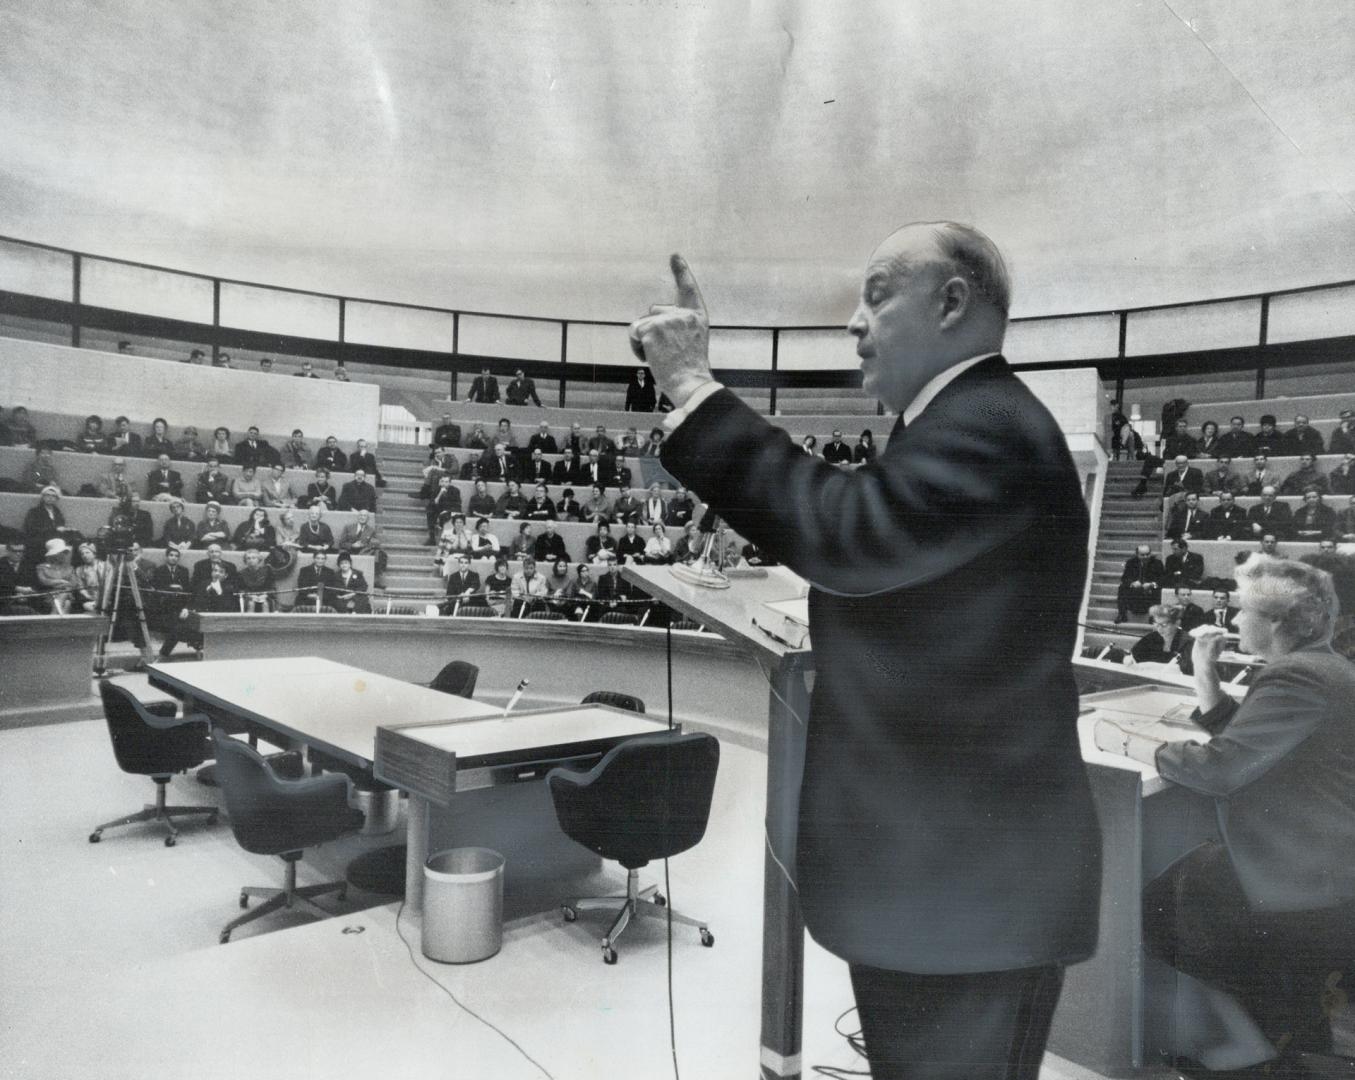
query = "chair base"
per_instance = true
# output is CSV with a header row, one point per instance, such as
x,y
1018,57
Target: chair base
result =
x,y
161,812
289,897
637,903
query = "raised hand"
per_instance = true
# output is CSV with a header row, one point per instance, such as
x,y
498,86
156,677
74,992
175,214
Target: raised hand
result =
x,y
674,339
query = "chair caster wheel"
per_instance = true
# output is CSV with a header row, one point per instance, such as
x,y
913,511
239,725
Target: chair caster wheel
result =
x,y
225,937
707,938
609,955
170,841
94,838
568,912
660,900
244,900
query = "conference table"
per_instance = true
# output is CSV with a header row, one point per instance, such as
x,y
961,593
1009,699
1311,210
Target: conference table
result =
x,y
427,743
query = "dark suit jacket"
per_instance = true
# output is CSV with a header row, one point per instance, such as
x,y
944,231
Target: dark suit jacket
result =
x,y
1184,570
366,462
1229,618
1278,521
355,497
159,483
456,584
946,822
309,581
331,458
837,453
1183,521
521,392
563,473
202,576
1228,523
1172,481
1234,444
260,455
640,398
484,388
1281,769
447,435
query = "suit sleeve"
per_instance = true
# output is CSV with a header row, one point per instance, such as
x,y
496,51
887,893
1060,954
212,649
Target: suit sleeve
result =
x,y
912,516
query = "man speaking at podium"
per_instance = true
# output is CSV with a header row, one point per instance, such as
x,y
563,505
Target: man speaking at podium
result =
x,y
948,848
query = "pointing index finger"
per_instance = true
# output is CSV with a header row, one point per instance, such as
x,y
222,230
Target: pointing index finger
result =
x,y
688,291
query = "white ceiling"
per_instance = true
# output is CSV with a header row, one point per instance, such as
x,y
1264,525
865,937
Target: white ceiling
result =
x,y
543,156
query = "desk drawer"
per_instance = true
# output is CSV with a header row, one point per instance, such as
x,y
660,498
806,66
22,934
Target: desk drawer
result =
x,y
520,773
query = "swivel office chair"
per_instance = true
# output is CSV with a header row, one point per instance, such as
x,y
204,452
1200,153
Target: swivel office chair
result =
x,y
619,618
477,611
648,798
274,816
149,740
457,678
616,698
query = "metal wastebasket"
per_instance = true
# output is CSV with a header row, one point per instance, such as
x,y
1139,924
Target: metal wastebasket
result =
x,y
462,905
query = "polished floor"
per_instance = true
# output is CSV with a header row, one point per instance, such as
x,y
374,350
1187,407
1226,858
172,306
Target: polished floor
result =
x,y
110,966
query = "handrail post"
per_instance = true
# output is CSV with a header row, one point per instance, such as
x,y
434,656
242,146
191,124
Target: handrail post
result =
x,y
75,300
216,321
564,357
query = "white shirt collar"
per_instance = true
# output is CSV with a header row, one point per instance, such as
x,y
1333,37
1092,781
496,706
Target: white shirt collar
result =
x,y
939,383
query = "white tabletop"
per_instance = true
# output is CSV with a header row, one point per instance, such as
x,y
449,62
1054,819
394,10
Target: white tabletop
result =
x,y
518,732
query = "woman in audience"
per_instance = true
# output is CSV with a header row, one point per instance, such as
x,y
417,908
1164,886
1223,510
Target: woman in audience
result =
x,y
654,510
558,582
568,508
42,472
689,545
158,441
511,504
864,451
658,548
90,438
21,430
630,443
179,531
456,539
484,542
524,544
258,585
320,492
45,520
654,446
213,484
1209,439
87,577
597,509
1166,642
221,446
246,489
481,503
582,590
599,541
188,447
350,596
55,576
809,445
540,508
477,440
287,541
314,535
212,530
498,586
256,533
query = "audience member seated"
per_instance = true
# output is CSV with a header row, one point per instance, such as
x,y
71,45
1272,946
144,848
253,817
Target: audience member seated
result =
x,y
630,547
42,472
56,576
1260,477
195,356
658,548
539,507
627,509
689,545
1270,545
1306,476
511,504
835,451
640,393
498,465
319,492
1140,583
455,539
558,583
527,586
609,591
163,483
363,459
247,489
158,441
543,440
220,447
653,510
256,533
524,544
1222,614
253,450
87,578
357,494
213,484
330,457
1182,477
1187,520
597,509
575,441
521,390
361,537
90,438
1228,521
44,520
600,541
295,453
1343,438
21,429
538,469
601,442
128,518
484,388
256,584
1192,615
477,439
1270,516
276,489
630,443
180,618
212,529
550,545
1341,480
283,557
484,543
1268,440
114,483
1314,521
481,503
864,451
498,586
568,508
598,469
16,583
1302,439
567,469
1221,478
202,571
315,536
1237,441
1180,443
316,584
447,433
1208,444
1166,642
1345,522
581,591
680,509
350,588
462,582
307,371
653,446
188,447
171,591
1183,566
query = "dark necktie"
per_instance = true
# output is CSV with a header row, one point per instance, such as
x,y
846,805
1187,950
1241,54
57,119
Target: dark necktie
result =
x,y
1218,617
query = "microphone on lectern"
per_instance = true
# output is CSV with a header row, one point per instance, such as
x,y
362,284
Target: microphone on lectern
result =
x,y
517,694
705,572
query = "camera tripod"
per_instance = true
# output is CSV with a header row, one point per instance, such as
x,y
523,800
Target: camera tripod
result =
x,y
110,604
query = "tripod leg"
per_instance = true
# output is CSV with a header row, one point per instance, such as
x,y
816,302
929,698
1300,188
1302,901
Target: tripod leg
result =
x,y
140,615
109,599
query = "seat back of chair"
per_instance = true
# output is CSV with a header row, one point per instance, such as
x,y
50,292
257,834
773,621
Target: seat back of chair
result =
x,y
648,798
615,698
619,618
143,749
457,678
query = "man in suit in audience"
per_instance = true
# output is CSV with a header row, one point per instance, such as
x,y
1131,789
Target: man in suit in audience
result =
x,y
213,485
1221,478
1187,520
447,432
575,441
627,508
1192,615
1306,476
521,390
1261,475
441,506
538,469
837,452
1222,614
357,494
16,584
1302,438
597,469
331,457
1345,522
550,545
364,459
1236,442
1183,477
1343,438
1314,521
566,470
361,537
1228,521
171,589
163,483
123,440
316,581
1180,442
1341,479
307,371
1269,516
498,465
276,488
543,440
1183,566
463,582
679,510
484,388
295,453
601,442
255,451
202,572
956,905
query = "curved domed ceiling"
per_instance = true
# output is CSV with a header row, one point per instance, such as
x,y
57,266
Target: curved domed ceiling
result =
x,y
543,156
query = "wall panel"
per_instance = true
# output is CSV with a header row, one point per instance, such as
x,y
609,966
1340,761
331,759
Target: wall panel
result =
x,y
1230,324
1044,341
816,350
271,311
398,327
1323,313
35,271
483,335
148,292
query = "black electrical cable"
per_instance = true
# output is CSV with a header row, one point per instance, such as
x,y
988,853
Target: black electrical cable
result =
x,y
667,889
855,1041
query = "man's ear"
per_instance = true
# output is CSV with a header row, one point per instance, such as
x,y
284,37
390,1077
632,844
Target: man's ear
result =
x,y
956,295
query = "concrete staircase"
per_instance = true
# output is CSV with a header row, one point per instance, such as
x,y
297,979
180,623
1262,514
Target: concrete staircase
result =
x,y
410,574
1125,523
